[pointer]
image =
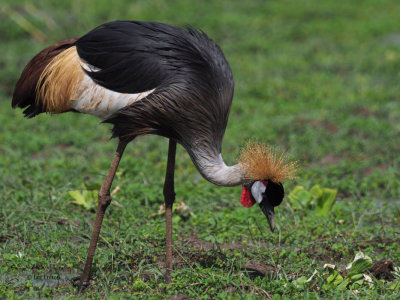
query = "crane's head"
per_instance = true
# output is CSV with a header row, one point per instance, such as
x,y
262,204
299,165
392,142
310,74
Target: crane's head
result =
x,y
264,171
267,194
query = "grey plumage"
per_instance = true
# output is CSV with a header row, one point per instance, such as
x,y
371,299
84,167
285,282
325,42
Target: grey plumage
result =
x,y
191,101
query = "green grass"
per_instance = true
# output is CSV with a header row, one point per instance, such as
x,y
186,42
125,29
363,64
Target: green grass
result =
x,y
317,78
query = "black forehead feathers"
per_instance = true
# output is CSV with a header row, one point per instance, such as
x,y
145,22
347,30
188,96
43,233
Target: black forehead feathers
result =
x,y
274,193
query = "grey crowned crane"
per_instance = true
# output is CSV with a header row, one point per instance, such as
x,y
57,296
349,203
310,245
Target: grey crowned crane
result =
x,y
152,78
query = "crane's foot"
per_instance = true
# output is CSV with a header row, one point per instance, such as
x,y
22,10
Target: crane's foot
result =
x,y
76,281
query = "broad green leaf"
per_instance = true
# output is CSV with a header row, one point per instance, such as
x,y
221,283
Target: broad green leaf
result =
x,y
357,283
395,286
325,202
299,198
318,200
333,280
300,282
85,198
356,277
342,286
360,264
316,192
78,197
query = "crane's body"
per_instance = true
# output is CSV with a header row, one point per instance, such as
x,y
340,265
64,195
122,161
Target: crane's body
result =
x,y
150,78
138,75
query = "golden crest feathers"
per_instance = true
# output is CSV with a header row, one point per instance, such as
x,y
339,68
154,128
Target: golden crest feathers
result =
x,y
261,162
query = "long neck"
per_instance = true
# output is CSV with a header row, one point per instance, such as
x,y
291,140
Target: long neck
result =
x,y
213,168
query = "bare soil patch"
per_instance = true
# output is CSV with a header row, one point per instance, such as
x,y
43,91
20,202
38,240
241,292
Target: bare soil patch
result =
x,y
258,269
383,269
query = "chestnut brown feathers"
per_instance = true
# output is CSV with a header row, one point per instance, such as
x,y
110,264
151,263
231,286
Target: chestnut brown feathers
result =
x,y
25,89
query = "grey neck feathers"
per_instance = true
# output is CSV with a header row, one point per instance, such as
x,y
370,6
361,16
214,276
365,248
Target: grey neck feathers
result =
x,y
214,169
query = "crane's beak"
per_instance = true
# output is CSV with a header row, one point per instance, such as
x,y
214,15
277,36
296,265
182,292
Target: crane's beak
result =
x,y
260,195
268,211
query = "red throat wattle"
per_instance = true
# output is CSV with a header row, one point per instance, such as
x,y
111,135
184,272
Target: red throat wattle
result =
x,y
247,199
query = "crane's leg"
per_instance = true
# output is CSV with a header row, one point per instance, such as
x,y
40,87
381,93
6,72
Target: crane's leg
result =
x,y
104,202
169,198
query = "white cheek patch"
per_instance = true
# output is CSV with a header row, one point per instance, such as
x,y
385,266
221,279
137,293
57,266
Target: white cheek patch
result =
x,y
257,190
